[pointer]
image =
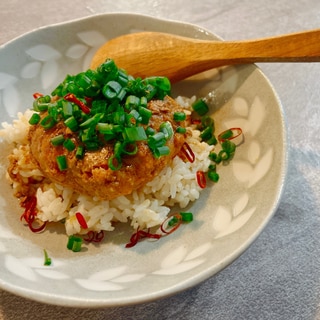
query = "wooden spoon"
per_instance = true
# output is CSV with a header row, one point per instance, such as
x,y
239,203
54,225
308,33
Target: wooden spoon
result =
x,y
153,53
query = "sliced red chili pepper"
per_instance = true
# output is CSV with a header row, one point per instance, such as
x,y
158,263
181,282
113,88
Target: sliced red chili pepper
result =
x,y
99,236
236,132
187,151
90,236
89,101
201,179
37,95
30,213
72,98
30,205
94,236
140,234
196,121
173,228
82,221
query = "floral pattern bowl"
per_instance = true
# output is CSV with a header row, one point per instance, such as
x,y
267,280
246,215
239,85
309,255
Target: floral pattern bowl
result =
x,y
228,217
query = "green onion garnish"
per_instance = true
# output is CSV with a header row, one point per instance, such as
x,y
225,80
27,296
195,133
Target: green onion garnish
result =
x,y
69,144
200,107
102,106
135,134
74,243
213,176
181,130
35,118
57,140
161,151
179,116
48,122
62,162
80,152
186,216
47,259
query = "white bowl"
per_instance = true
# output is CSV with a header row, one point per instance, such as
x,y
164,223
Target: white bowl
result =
x,y
228,216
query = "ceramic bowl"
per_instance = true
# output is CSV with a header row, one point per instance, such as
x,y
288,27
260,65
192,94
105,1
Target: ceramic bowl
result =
x,y
228,217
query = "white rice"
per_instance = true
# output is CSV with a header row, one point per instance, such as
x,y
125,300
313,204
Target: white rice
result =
x,y
144,208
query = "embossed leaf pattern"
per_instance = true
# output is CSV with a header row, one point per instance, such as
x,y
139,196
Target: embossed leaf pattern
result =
x,y
226,219
92,38
6,80
76,51
31,70
178,260
19,269
109,279
43,52
248,171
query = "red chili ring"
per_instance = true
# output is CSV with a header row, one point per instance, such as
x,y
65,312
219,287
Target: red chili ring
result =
x,y
175,227
237,130
37,95
72,98
82,221
201,179
187,151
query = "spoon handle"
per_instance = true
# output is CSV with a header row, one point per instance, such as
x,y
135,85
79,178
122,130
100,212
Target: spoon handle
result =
x,y
295,47
152,53
204,55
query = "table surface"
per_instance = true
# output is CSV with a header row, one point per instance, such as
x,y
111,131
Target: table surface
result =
x,y
278,277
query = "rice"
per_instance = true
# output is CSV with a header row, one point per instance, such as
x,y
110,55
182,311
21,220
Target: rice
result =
x,y
147,207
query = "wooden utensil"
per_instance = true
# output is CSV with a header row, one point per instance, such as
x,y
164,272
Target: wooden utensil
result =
x,y
153,53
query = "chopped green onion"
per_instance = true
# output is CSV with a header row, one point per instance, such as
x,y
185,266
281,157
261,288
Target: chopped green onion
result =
x,y
223,155
57,140
111,89
114,163
71,123
91,121
174,220
150,131
157,140
144,102
35,118
92,145
80,152
186,216
206,134
135,134
226,134
136,115
145,114
214,157
213,176
229,147
181,130
74,243
69,144
132,102
105,128
47,122
207,121
166,128
161,151
67,109
62,162
212,141
179,116
47,259
129,148
200,107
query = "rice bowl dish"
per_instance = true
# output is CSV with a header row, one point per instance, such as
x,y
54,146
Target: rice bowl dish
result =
x,y
228,217
145,208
